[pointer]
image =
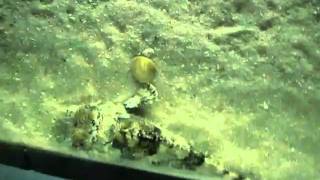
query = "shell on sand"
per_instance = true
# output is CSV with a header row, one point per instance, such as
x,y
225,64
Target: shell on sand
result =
x,y
143,69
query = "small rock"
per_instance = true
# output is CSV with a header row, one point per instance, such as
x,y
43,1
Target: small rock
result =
x,y
148,52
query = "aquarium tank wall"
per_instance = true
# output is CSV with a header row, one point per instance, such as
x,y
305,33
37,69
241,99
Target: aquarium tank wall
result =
x,y
191,89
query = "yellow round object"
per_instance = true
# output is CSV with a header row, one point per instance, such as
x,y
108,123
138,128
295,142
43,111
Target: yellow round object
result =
x,y
143,69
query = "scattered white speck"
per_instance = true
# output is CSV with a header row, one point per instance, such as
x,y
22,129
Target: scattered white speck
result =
x,y
265,105
206,54
17,79
24,104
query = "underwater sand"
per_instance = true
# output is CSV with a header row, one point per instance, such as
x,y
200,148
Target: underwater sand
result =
x,y
239,80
